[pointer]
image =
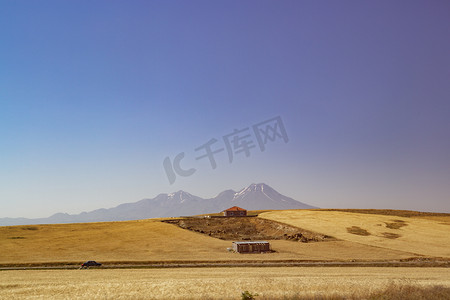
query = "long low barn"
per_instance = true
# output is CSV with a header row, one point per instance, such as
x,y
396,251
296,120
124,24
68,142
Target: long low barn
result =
x,y
251,247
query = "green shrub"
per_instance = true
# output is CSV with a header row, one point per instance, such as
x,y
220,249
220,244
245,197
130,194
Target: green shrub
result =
x,y
246,295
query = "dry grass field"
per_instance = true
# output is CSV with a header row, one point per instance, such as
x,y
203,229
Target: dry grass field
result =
x,y
421,234
215,283
361,236
156,241
152,240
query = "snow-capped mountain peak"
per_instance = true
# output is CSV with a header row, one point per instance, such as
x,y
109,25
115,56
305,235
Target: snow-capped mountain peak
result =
x,y
254,197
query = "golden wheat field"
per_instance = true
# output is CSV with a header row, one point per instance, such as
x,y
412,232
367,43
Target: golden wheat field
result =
x,y
152,240
360,237
211,283
425,236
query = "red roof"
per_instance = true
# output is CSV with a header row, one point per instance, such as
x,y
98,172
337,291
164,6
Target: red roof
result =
x,y
235,208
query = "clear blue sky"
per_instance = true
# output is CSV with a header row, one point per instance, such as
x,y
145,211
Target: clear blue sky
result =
x,y
94,95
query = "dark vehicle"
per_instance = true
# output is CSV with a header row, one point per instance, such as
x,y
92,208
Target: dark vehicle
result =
x,y
90,263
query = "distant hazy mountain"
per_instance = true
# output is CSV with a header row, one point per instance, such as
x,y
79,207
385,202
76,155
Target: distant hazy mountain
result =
x,y
254,197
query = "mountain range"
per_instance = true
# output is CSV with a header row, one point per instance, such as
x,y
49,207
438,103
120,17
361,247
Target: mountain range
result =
x,y
254,197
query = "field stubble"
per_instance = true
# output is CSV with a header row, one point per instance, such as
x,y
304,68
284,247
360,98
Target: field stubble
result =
x,y
213,283
152,240
422,234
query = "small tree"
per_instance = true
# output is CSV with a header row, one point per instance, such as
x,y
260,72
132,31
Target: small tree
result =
x,y
246,295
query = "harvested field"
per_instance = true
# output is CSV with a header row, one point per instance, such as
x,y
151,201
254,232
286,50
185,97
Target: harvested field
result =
x,y
418,235
390,212
226,283
153,240
248,228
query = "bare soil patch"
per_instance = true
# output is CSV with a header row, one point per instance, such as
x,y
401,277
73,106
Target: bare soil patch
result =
x,y
396,224
357,230
390,235
248,228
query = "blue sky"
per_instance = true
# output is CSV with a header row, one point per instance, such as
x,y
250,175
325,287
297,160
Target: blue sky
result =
x,y
94,95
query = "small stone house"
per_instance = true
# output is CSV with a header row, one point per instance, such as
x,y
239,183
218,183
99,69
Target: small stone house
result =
x,y
251,247
235,212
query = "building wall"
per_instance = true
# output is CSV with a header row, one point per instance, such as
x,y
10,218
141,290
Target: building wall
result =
x,y
251,248
239,213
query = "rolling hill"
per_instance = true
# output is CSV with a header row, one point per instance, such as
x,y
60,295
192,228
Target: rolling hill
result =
x,y
153,240
423,235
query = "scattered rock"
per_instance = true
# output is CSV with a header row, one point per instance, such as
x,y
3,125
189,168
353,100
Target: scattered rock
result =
x,y
248,228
